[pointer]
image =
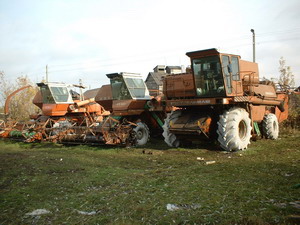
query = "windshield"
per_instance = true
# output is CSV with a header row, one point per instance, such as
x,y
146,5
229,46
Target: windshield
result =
x,y
136,87
128,88
208,76
119,89
60,94
46,94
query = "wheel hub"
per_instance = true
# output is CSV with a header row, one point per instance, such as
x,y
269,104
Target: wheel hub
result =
x,y
242,130
139,135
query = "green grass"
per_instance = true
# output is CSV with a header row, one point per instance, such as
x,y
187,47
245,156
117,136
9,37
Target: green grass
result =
x,y
134,186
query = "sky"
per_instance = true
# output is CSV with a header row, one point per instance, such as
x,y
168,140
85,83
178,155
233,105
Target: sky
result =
x,y
87,39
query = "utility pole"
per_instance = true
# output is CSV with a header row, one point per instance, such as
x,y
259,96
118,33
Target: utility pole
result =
x,y
46,73
253,43
81,94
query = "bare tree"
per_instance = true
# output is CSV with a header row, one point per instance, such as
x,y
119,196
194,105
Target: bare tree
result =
x,y
286,77
6,88
21,105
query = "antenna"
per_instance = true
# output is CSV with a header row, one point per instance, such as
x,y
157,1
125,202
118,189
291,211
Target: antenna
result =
x,y
47,73
80,89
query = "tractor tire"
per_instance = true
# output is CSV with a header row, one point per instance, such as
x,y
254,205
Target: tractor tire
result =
x,y
170,138
270,126
234,129
142,134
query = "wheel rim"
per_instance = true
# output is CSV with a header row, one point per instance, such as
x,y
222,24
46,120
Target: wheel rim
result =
x,y
242,130
139,134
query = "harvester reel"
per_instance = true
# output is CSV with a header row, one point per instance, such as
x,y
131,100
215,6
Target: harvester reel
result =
x,y
270,126
171,138
234,129
142,133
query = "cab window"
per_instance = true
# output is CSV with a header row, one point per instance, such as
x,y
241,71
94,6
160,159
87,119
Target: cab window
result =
x,y
235,68
225,67
208,78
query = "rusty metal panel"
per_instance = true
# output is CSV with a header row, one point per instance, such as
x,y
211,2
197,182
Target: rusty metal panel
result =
x,y
263,90
129,105
249,72
190,102
55,109
258,112
281,116
38,99
179,86
104,97
241,99
202,53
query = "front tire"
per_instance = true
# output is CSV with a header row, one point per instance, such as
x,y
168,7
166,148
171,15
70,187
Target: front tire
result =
x,y
234,129
270,126
171,138
142,134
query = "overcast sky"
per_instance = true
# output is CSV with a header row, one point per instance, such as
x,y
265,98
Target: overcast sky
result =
x,y
89,38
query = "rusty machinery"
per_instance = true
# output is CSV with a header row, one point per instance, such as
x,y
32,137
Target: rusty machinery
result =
x,y
222,99
66,117
128,97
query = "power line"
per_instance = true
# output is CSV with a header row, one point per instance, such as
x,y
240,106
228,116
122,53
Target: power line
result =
x,y
141,57
241,38
154,58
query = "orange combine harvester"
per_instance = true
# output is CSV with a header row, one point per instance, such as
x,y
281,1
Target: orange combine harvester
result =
x,y
221,99
66,118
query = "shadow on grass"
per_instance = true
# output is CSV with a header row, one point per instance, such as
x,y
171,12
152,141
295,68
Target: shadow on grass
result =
x,y
159,144
154,144
51,145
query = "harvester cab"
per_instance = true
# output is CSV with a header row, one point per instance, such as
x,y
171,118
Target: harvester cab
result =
x,y
128,92
126,86
214,75
56,93
58,99
218,75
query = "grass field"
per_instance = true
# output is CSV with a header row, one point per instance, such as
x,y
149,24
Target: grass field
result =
x,y
107,185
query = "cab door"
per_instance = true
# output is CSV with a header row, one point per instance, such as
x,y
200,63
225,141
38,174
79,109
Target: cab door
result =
x,y
233,83
227,74
235,74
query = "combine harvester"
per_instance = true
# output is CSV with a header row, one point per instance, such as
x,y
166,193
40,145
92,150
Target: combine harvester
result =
x,y
222,99
127,97
66,118
103,117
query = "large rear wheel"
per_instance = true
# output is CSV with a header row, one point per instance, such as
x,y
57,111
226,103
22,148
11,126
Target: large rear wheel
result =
x,y
234,129
171,138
